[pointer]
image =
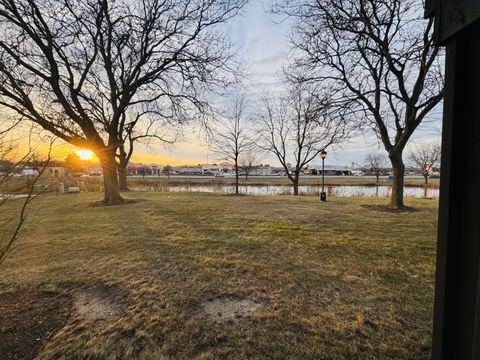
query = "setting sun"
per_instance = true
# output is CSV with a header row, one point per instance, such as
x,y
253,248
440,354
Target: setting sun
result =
x,y
85,154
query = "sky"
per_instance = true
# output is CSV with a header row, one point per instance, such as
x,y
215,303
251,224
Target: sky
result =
x,y
260,42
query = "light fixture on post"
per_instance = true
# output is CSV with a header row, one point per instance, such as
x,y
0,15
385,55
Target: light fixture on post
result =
x,y
323,194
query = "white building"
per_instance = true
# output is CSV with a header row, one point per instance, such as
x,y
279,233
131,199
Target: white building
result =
x,y
213,168
331,170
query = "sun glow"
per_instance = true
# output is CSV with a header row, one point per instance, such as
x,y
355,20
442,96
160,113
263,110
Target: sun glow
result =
x,y
85,154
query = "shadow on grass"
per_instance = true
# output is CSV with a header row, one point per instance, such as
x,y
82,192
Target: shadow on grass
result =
x,y
385,208
100,203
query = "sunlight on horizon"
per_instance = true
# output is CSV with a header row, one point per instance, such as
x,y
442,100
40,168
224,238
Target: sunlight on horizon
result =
x,y
85,154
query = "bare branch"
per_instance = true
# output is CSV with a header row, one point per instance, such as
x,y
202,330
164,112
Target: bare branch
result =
x,y
298,126
380,58
30,196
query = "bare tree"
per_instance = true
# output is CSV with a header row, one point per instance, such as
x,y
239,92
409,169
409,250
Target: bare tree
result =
x,y
424,158
167,170
299,126
376,162
233,138
380,55
248,161
78,69
11,189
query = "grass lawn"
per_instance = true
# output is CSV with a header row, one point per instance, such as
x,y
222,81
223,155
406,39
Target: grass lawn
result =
x,y
156,279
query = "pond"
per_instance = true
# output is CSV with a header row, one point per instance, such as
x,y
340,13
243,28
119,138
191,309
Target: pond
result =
x,y
309,190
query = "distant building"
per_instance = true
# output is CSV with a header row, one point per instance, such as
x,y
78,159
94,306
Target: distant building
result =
x,y
331,170
156,169
189,170
29,172
55,172
262,169
144,170
226,164
213,168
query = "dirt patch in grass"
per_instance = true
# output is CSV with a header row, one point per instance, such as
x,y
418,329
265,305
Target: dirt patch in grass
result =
x,y
229,308
98,303
385,208
29,317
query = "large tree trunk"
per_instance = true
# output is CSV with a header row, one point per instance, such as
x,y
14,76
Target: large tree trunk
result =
x,y
236,178
110,180
122,165
426,179
122,177
396,201
295,185
378,177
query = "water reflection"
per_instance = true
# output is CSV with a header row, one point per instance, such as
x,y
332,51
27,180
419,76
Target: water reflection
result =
x,y
309,190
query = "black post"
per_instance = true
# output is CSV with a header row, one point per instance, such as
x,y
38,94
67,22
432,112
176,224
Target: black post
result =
x,y
323,194
456,333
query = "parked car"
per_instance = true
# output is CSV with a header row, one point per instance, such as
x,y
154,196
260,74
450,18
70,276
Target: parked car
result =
x,y
218,174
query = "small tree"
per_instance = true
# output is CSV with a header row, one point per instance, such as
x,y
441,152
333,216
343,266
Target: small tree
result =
x,y
10,164
424,158
376,162
167,170
74,164
299,126
232,138
248,161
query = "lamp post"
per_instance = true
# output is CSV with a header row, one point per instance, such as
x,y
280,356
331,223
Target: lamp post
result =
x,y
323,194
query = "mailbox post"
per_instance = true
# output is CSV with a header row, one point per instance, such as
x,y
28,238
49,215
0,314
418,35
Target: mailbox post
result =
x,y
456,328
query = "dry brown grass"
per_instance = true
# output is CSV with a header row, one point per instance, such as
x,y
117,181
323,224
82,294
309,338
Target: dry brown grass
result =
x,y
335,280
